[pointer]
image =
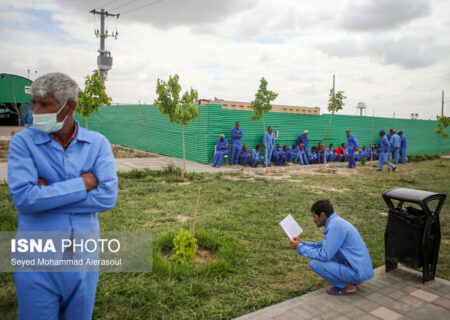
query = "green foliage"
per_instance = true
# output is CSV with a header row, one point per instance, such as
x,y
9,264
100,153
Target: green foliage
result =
x,y
443,123
93,96
180,110
262,102
422,157
185,246
336,101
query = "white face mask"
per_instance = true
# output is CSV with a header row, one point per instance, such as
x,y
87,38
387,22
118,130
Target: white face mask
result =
x,y
48,122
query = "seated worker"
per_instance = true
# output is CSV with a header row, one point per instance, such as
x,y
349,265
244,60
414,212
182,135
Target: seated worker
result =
x,y
341,257
295,151
375,152
255,158
340,153
287,153
321,153
278,155
331,155
364,153
303,154
244,156
312,156
345,151
221,151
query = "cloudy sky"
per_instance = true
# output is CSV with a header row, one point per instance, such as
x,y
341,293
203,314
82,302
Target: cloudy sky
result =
x,y
392,55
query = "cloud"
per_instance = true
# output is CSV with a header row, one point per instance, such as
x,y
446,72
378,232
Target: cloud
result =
x,y
407,52
373,15
167,13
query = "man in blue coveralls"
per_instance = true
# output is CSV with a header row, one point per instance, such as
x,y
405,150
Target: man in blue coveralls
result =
x,y
303,139
395,146
383,154
403,146
269,144
352,145
256,158
59,175
221,151
341,257
244,156
236,135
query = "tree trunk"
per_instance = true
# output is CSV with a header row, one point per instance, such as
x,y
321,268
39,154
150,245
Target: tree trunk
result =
x,y
328,134
86,122
266,147
195,213
184,152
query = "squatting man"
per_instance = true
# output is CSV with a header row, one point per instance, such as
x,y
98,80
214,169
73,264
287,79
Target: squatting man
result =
x,y
341,257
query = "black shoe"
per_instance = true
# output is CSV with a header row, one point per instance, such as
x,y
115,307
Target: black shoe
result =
x,y
379,170
394,168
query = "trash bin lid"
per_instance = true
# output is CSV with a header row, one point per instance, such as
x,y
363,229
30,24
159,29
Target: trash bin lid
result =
x,y
412,195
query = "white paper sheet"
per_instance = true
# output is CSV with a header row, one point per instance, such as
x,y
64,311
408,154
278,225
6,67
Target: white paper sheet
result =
x,y
291,227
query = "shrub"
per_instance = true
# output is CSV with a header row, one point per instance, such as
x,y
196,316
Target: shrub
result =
x,y
185,246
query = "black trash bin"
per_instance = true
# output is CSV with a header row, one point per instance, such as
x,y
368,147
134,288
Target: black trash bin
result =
x,y
413,233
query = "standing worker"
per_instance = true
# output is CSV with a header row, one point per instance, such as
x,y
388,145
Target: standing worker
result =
x,y
269,144
384,152
221,151
395,146
402,147
236,135
59,176
303,139
352,145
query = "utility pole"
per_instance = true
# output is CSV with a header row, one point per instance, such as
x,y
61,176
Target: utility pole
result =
x,y
104,59
442,106
334,88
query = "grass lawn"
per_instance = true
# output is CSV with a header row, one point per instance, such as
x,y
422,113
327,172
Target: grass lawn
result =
x,y
241,212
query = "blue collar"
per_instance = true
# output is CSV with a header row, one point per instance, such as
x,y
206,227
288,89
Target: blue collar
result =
x,y
333,215
42,137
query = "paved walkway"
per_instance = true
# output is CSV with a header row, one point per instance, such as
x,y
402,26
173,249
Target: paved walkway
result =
x,y
398,294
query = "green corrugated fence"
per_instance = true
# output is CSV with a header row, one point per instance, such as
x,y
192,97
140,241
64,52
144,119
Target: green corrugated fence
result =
x,y
143,127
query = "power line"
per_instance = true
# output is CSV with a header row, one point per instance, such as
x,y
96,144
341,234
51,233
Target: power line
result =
x,y
144,6
106,4
124,5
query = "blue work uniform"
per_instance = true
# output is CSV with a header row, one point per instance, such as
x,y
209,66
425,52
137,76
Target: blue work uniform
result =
x,y
236,135
243,157
303,139
352,145
62,205
295,154
30,118
288,154
331,156
303,156
278,156
255,157
364,154
269,144
221,151
320,156
403,148
341,257
384,153
312,156
395,146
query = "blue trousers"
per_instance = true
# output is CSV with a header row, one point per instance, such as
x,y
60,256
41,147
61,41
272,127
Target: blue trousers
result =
x,y
338,273
403,155
396,153
288,156
303,159
269,155
254,161
383,158
351,158
244,161
218,157
55,295
279,159
331,157
235,150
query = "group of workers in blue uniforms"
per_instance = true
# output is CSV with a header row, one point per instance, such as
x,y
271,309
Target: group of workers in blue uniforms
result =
x,y
299,153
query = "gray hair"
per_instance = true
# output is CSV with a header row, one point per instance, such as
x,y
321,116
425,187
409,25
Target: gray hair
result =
x,y
60,85
222,135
